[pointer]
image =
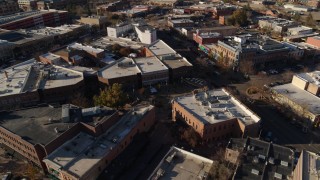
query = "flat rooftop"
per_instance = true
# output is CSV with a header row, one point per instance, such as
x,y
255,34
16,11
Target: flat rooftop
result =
x,y
19,36
256,155
300,28
181,164
175,62
159,48
50,56
179,21
216,106
80,154
35,125
209,35
88,49
107,42
24,15
299,96
311,77
120,68
51,31
32,75
150,64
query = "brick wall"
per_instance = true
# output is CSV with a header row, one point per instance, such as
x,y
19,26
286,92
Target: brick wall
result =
x,y
314,41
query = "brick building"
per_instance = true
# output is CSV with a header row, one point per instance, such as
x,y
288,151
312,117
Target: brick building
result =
x,y
161,64
223,30
99,21
31,19
178,65
89,154
207,38
174,23
314,41
193,166
103,9
302,96
250,50
30,83
215,115
25,42
36,132
8,7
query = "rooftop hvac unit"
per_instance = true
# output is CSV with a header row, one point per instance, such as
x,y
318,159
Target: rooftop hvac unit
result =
x,y
271,160
254,171
284,163
277,175
263,157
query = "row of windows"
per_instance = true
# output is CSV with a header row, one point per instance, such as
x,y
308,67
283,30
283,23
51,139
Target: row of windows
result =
x,y
22,151
8,138
220,127
218,138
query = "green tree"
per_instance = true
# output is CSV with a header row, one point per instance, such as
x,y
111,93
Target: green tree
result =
x,y
112,96
239,17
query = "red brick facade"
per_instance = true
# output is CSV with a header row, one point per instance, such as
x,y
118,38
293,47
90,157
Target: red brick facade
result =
x,y
314,41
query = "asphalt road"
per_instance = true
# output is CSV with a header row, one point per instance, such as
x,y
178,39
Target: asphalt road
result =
x,y
285,133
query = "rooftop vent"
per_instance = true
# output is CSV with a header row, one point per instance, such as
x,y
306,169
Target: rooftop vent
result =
x,y
271,160
56,130
284,163
277,175
256,172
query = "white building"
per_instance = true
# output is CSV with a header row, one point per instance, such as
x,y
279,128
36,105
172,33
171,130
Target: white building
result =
x,y
300,30
119,30
297,8
146,34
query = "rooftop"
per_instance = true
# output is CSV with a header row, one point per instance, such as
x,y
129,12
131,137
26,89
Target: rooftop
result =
x,y
216,106
107,42
88,49
209,35
262,160
31,75
50,56
47,31
22,15
150,64
120,68
174,61
35,125
45,123
299,28
83,152
276,21
159,48
178,21
181,164
299,96
311,77
19,36
248,42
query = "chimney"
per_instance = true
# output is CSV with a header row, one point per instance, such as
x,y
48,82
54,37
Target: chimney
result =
x,y
6,74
